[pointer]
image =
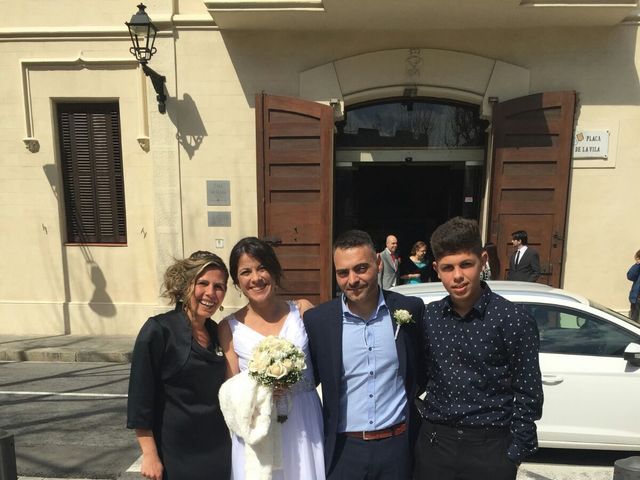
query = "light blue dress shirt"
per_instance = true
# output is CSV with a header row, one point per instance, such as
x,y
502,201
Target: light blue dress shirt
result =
x,y
372,391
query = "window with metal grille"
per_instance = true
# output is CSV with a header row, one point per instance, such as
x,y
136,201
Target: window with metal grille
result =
x,y
91,162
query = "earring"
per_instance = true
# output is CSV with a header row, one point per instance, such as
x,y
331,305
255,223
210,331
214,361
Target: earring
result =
x,y
221,308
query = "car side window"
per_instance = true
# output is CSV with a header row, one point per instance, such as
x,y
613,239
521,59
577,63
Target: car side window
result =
x,y
568,331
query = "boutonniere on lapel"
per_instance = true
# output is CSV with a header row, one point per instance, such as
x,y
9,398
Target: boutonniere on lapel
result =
x,y
402,317
218,351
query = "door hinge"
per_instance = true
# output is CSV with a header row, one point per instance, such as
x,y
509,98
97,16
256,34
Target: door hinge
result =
x,y
272,240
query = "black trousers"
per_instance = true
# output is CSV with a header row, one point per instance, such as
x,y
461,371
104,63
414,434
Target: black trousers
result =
x,y
357,459
634,310
450,453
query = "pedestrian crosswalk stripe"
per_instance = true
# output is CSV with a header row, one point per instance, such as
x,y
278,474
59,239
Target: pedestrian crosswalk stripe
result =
x,y
135,466
66,394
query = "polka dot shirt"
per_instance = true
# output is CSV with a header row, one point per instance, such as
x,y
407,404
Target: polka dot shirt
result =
x,y
483,369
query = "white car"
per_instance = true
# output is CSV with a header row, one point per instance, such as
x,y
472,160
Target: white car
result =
x,y
590,362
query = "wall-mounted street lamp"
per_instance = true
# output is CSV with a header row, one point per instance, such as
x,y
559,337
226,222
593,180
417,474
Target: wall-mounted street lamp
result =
x,y
143,35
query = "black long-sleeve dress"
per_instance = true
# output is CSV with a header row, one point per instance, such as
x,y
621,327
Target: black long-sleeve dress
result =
x,y
408,267
173,391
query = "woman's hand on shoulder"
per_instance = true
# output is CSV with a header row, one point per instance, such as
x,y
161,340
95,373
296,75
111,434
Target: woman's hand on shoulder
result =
x,y
303,305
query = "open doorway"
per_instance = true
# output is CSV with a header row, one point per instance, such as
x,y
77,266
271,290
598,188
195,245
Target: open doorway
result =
x,y
408,200
404,166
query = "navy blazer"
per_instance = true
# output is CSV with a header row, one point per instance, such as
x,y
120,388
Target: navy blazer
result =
x,y
324,330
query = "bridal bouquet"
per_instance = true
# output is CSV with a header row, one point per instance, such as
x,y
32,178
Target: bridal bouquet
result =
x,y
277,363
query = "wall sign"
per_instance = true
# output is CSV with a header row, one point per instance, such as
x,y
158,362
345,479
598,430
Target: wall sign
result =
x,y
219,219
591,144
218,193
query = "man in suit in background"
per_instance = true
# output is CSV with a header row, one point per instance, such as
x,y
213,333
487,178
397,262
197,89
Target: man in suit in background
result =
x,y
367,353
524,264
389,263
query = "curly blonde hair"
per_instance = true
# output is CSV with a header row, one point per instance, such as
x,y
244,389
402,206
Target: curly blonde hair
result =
x,y
180,278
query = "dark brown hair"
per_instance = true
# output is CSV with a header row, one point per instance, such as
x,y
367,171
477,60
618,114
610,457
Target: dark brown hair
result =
x,y
352,239
417,246
454,236
521,235
261,251
494,261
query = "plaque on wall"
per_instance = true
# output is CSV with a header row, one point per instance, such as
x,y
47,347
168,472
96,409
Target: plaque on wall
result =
x,y
218,193
591,144
219,219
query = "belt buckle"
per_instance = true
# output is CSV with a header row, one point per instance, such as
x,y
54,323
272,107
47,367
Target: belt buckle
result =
x,y
373,435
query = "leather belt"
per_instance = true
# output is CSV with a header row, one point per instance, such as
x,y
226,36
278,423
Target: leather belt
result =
x,y
379,434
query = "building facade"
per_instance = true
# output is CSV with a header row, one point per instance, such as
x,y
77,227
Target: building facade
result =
x,y
295,120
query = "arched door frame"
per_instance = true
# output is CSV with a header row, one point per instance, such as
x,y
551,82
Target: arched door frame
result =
x,y
420,72
415,72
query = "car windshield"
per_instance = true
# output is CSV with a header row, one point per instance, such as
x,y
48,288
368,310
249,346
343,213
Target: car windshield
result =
x,y
614,313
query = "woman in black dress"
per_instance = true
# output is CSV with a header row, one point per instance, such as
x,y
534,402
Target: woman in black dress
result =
x,y
177,369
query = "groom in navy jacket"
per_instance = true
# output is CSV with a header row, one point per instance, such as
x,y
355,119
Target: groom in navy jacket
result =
x,y
366,351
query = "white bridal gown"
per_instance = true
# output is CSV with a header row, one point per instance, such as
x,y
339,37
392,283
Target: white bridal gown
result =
x,y
302,439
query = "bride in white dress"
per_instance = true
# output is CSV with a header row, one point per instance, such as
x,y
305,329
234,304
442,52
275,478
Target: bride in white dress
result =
x,y
255,269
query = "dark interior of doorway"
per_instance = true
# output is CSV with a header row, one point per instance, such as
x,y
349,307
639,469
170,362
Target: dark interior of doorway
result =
x,y
408,200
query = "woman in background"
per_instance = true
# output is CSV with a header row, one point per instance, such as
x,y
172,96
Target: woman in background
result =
x,y
416,269
491,269
634,295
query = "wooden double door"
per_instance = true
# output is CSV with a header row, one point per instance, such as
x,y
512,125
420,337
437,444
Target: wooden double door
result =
x,y
530,178
529,191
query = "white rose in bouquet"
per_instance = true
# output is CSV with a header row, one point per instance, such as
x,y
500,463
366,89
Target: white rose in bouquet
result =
x,y
277,370
259,362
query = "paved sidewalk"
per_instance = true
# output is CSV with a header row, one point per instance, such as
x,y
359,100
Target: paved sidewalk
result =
x,y
47,478
67,348
545,471
527,471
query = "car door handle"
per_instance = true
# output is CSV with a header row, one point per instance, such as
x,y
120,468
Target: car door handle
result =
x,y
552,379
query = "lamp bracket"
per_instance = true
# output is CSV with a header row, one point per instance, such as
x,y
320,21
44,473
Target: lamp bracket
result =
x,y
158,82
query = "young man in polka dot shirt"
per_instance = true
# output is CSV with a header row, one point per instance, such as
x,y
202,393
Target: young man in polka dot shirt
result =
x,y
484,388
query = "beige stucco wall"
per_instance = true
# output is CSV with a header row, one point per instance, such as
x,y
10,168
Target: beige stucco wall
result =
x,y
602,235
208,133
66,14
102,286
226,120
